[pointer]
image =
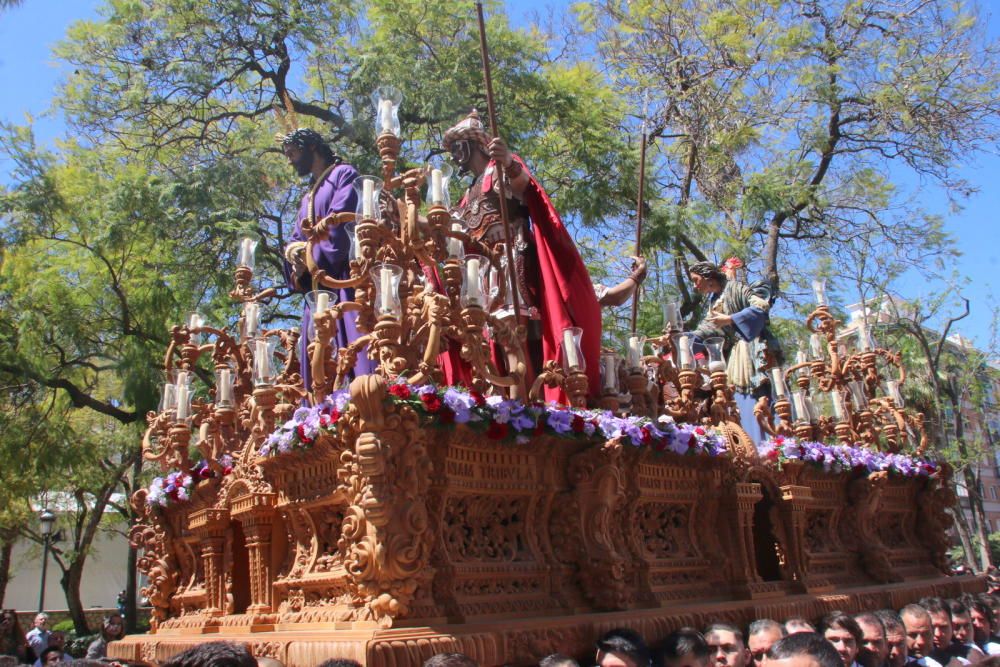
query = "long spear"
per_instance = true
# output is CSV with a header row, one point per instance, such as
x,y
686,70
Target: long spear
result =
x,y
639,210
495,129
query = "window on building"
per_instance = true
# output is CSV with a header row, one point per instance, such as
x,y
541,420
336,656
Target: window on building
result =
x,y
993,492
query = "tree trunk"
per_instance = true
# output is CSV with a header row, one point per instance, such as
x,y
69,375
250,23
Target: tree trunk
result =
x,y
962,528
70,581
6,547
132,579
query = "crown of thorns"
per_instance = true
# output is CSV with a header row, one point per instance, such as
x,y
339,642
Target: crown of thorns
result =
x,y
302,138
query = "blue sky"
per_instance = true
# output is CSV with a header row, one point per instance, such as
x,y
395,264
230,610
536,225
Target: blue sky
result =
x,y
29,74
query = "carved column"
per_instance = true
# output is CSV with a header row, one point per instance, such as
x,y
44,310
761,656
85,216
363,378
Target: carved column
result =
x,y
748,494
795,501
255,512
210,525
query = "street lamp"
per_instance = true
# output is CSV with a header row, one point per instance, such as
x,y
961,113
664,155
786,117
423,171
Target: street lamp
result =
x,y
46,519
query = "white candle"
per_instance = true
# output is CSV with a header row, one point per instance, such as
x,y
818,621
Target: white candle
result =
x,y
455,245
778,380
195,321
816,346
437,189
684,351
203,432
261,361
819,289
251,316
385,115
634,352
472,285
801,409
367,197
716,366
385,276
225,386
863,343
812,410
838,404
322,302
569,349
182,401
610,374
801,357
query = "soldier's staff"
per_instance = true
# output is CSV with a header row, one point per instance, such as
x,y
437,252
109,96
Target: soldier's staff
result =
x,y
639,208
501,171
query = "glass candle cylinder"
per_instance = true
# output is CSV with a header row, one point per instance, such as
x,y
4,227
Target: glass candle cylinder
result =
x,y
801,357
246,254
351,228
168,402
473,274
819,290
572,354
610,363
799,408
684,356
839,409
368,188
251,319
264,371
386,278
812,409
672,316
456,248
716,360
387,100
816,346
857,389
892,390
634,352
318,301
778,381
437,185
224,387
864,341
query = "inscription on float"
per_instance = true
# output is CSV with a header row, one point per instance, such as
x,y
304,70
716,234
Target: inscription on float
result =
x,y
490,466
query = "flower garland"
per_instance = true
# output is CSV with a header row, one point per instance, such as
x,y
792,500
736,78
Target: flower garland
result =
x,y
175,487
500,420
840,458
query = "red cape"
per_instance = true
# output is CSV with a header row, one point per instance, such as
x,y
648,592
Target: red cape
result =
x,y
566,295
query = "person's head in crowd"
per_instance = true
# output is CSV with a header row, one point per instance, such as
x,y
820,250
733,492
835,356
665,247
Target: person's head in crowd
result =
x,y
961,622
761,636
41,621
981,616
940,622
9,625
339,662
622,647
558,660
213,654
112,627
264,661
919,633
51,656
450,660
895,638
803,649
684,648
843,632
874,647
798,624
57,639
726,643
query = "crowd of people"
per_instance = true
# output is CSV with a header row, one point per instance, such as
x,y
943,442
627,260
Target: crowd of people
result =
x,y
44,646
932,633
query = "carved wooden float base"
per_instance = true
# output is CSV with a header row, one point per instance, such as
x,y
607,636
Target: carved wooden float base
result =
x,y
522,641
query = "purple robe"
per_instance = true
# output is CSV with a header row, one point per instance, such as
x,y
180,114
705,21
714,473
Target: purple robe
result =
x,y
334,195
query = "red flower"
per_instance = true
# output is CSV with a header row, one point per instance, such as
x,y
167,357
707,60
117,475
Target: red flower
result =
x,y
479,399
773,455
446,415
779,440
699,430
301,431
692,442
577,424
400,391
432,403
497,431
205,473
647,436
227,470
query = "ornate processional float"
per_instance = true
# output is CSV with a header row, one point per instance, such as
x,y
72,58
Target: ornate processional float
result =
x,y
389,517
